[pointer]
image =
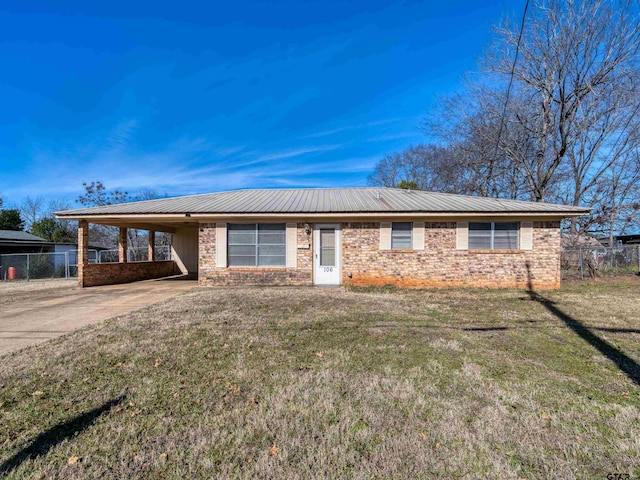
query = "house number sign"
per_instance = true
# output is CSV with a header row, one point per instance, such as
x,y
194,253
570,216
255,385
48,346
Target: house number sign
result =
x,y
328,269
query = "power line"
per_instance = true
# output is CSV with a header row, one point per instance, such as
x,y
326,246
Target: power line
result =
x,y
513,69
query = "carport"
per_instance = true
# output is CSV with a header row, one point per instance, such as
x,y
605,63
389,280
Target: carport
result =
x,y
184,253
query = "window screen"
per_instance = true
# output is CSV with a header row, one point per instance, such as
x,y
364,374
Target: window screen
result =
x,y
256,245
401,235
493,235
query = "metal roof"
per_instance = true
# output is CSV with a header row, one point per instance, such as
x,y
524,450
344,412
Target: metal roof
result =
x,y
18,236
325,200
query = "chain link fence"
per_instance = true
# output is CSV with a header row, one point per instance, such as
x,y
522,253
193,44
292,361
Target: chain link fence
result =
x,y
163,252
590,262
37,266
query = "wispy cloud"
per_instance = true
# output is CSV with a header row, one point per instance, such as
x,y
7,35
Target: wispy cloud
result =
x,y
326,133
116,159
192,164
391,136
122,135
296,152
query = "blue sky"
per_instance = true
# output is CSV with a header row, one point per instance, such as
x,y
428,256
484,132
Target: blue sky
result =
x,y
192,97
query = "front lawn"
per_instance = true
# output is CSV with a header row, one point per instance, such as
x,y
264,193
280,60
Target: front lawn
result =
x,y
313,383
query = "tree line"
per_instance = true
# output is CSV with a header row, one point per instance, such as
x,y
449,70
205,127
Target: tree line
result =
x,y
552,115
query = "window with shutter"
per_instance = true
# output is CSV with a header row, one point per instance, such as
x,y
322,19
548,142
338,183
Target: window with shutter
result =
x,y
256,245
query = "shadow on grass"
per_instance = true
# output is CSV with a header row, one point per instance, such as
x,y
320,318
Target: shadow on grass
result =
x,y
624,362
483,329
50,438
616,330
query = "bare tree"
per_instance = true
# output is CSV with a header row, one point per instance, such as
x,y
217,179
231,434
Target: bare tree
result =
x,y
619,203
58,206
32,209
65,225
562,122
577,79
469,124
148,194
428,166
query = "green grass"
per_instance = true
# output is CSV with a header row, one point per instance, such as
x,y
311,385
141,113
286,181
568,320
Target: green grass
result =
x,y
362,383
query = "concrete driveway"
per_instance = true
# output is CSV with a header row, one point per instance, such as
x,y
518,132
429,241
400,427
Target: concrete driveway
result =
x,y
31,314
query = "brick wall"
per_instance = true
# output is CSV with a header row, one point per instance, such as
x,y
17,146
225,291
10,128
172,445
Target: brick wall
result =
x,y
83,249
438,265
111,273
209,274
441,265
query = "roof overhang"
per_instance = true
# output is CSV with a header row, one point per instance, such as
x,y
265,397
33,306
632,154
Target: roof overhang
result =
x,y
171,221
24,243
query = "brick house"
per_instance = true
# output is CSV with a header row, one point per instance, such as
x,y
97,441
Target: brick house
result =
x,y
349,236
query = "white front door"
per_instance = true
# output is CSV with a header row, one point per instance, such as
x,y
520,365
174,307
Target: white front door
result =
x,y
326,256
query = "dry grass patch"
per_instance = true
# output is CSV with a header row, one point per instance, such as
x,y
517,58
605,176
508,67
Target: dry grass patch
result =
x,y
22,291
7,288
307,383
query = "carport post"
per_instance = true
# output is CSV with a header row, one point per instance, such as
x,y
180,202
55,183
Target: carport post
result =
x,y
122,245
152,246
83,249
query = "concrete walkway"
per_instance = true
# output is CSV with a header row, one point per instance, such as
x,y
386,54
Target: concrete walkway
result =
x,y
33,315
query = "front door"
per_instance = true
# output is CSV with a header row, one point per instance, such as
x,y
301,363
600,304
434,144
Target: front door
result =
x,y
326,257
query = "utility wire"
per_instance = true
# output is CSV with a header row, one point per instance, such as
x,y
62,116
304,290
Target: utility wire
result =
x,y
513,69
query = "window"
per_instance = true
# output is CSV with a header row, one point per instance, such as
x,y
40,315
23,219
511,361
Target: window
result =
x,y
493,235
327,247
401,235
256,245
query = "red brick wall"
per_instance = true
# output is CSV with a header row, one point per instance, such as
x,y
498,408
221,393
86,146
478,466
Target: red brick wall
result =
x,y
209,274
441,265
83,248
438,265
111,273
206,252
